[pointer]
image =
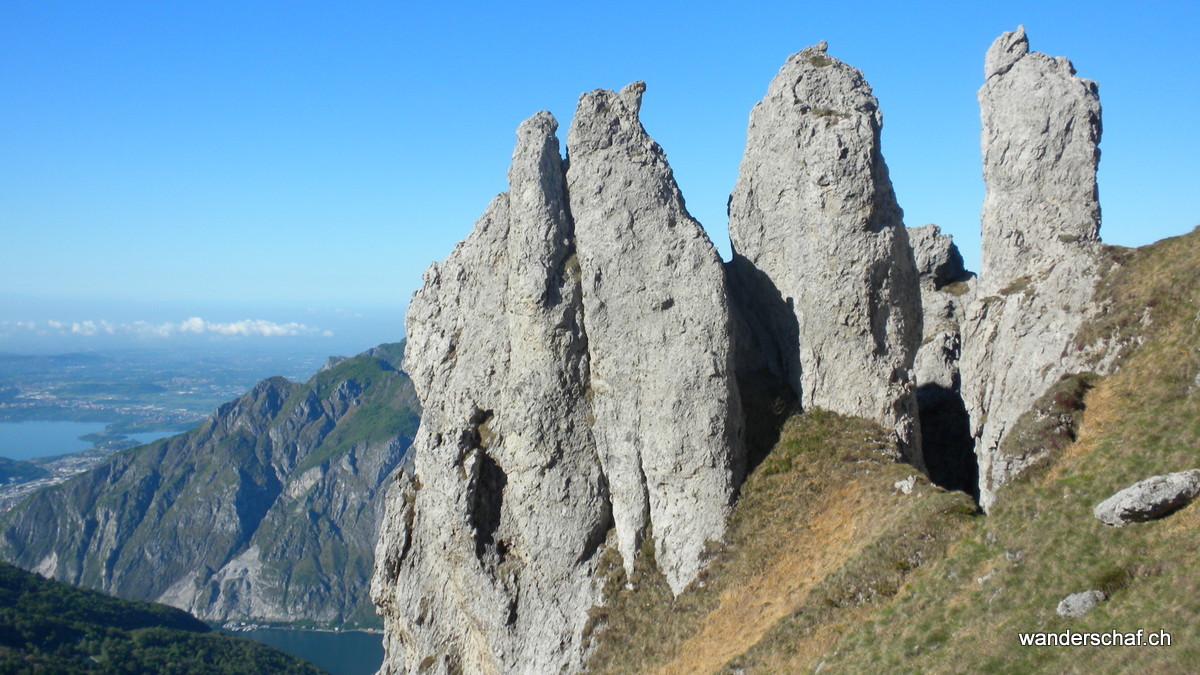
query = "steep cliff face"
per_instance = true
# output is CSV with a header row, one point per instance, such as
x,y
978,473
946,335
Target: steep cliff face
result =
x,y
817,236
267,511
1041,220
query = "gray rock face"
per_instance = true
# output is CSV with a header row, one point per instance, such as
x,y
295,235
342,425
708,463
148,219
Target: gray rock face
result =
x,y
487,559
1076,605
938,261
668,416
1149,499
1041,219
946,288
814,221
573,359
1036,115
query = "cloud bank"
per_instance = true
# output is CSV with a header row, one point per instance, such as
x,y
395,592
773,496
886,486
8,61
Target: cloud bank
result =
x,y
190,326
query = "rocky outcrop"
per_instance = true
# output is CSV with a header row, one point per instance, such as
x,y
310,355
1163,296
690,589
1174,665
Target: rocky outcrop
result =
x,y
593,376
945,425
1041,219
668,427
574,362
1149,499
488,557
1041,135
268,511
818,241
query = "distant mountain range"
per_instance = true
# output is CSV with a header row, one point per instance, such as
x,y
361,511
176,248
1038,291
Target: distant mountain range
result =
x,y
268,511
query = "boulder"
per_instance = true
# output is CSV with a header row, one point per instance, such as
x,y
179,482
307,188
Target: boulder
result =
x,y
1076,605
1149,499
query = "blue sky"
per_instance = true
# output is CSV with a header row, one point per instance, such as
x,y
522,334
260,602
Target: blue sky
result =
x,y
227,161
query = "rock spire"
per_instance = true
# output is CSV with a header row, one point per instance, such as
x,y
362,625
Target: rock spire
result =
x,y
668,417
592,374
488,554
1041,135
1041,223
815,225
574,363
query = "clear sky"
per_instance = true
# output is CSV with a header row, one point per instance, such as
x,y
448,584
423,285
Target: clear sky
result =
x,y
230,160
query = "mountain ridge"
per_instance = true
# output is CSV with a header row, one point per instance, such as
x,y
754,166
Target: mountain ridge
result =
x,y
265,512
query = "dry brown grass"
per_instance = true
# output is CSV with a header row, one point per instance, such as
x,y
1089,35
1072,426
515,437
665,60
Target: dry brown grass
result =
x,y
746,610
811,536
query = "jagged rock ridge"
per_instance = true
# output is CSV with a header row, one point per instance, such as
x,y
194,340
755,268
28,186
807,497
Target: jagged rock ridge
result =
x,y
583,353
268,511
574,363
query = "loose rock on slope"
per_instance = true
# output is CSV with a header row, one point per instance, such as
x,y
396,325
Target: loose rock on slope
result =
x,y
1076,605
1148,499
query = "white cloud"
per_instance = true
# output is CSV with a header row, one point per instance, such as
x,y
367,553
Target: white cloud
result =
x,y
190,326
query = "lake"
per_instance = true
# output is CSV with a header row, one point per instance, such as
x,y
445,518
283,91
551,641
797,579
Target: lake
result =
x,y
344,653
150,436
29,440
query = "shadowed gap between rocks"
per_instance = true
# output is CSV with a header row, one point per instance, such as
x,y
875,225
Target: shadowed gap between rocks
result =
x,y
946,439
768,374
488,499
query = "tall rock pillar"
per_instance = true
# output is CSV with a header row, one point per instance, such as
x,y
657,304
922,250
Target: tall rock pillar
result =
x,y
816,228
1040,142
1041,224
668,416
487,557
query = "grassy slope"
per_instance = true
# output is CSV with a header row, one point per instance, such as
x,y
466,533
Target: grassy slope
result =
x,y
828,566
819,532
